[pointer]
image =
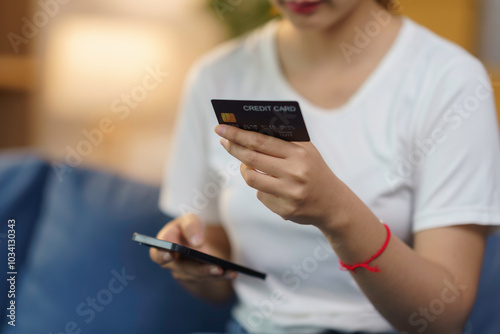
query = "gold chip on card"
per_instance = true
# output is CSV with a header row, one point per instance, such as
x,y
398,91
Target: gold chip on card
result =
x,y
228,117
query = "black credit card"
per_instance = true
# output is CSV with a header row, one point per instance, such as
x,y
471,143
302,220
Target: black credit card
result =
x,y
280,119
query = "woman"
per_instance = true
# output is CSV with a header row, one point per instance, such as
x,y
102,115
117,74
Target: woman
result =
x,y
403,130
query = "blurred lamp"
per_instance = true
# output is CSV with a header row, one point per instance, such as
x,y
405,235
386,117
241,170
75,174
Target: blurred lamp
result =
x,y
92,61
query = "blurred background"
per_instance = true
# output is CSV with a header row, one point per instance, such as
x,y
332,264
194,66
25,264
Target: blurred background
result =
x,y
97,82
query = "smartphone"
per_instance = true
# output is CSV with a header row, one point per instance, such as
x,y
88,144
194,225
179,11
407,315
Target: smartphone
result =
x,y
193,254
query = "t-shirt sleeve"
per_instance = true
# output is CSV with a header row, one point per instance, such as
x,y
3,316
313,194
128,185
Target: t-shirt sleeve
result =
x,y
187,168
456,150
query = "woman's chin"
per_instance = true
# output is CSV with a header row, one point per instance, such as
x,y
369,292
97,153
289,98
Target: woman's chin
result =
x,y
310,23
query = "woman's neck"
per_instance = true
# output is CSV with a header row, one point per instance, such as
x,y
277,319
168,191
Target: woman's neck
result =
x,y
365,32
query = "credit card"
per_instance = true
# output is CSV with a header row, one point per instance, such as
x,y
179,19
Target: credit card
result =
x,y
280,119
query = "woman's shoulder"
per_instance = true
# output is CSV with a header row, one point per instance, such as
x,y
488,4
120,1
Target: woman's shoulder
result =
x,y
437,53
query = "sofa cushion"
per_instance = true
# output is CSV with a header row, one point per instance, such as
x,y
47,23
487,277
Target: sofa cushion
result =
x,y
83,271
485,317
22,179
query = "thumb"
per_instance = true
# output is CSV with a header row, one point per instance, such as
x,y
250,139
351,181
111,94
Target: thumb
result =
x,y
193,229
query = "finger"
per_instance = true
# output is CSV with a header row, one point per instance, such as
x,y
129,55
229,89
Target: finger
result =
x,y
193,230
193,268
257,180
255,141
161,256
170,232
197,279
254,159
197,270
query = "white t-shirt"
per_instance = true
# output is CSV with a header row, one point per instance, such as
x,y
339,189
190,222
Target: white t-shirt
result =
x,y
418,143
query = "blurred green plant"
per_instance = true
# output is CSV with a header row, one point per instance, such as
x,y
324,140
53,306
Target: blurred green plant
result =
x,y
240,16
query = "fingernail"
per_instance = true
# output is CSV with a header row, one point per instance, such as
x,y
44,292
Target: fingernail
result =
x,y
167,257
220,129
196,240
214,270
223,142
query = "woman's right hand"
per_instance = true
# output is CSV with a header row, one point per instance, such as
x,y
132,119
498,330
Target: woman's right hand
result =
x,y
190,231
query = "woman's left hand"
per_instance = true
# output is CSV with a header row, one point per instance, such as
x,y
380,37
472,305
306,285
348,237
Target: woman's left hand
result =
x,y
291,178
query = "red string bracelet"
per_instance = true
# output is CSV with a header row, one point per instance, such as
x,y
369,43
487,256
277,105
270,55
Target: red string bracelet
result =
x,y
365,265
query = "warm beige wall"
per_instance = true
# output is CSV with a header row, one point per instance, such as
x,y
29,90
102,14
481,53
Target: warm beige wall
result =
x,y
455,20
89,60
15,78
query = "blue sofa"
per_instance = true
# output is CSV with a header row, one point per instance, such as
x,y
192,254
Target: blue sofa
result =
x,y
79,271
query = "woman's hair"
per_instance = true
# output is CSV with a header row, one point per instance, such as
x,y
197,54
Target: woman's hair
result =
x,y
393,6
385,3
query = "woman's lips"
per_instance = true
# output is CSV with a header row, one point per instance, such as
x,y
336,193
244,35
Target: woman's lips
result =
x,y
303,7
